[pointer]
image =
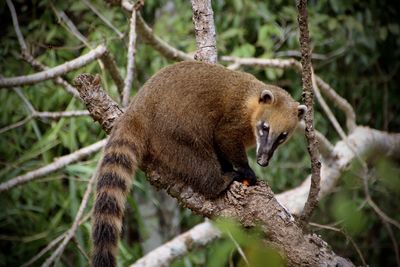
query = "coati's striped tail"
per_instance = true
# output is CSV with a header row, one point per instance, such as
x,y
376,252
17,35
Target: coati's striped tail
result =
x,y
114,180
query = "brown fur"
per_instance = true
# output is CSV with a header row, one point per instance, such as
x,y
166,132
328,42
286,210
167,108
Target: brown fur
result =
x,y
193,121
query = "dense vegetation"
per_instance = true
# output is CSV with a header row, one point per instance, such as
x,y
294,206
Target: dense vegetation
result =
x,y
355,49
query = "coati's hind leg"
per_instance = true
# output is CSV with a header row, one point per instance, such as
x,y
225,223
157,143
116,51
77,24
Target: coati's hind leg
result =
x,y
198,167
211,180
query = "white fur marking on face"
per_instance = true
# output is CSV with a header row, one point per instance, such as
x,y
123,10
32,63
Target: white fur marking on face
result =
x,y
260,132
258,144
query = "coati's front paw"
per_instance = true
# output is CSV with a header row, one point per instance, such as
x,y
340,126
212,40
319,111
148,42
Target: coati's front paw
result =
x,y
247,176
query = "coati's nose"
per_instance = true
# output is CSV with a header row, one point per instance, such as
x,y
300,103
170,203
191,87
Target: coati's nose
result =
x,y
263,160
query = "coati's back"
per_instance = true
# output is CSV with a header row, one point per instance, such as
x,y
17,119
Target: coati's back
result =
x,y
170,124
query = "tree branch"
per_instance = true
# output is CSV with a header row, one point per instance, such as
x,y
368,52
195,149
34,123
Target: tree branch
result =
x,y
341,103
56,165
57,80
60,114
203,19
20,37
100,105
28,58
104,19
324,145
56,71
131,60
312,147
52,244
199,236
157,43
107,59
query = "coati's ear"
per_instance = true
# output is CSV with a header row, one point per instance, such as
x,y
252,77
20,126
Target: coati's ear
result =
x,y
266,97
301,111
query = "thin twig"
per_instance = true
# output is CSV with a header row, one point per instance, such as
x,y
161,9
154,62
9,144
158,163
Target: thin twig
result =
x,y
239,249
42,115
56,71
104,19
57,80
44,251
70,26
325,146
384,218
312,199
52,167
27,57
52,244
375,207
107,60
328,227
15,125
157,43
80,249
112,68
327,110
26,101
341,103
394,241
20,37
60,114
75,224
131,60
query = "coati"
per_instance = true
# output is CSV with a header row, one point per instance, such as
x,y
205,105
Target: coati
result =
x,y
192,120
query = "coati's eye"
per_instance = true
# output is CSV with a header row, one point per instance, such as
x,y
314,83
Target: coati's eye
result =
x,y
282,137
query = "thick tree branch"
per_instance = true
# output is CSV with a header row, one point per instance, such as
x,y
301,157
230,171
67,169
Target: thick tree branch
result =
x,y
312,147
56,165
56,71
100,105
203,19
249,205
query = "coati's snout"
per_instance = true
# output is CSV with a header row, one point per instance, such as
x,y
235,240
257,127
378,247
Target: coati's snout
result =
x,y
267,142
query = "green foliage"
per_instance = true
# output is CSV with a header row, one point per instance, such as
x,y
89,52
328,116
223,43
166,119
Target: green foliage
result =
x,y
355,46
225,251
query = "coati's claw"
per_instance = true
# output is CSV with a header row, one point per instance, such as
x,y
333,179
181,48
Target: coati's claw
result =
x,y
247,176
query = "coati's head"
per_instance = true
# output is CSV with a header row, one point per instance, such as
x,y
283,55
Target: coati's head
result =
x,y
274,120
